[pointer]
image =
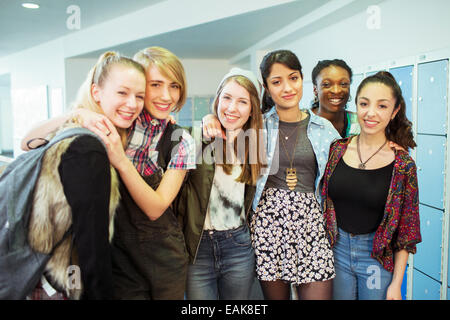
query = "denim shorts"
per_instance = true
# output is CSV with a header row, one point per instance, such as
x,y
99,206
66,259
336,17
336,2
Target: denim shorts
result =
x,y
358,276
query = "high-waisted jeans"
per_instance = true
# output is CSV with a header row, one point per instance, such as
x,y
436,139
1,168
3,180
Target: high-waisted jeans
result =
x,y
358,276
224,267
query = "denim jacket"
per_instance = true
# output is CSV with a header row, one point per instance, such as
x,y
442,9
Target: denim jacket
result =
x,y
321,133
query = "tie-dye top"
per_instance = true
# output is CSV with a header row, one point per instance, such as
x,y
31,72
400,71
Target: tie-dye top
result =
x,y
226,202
400,226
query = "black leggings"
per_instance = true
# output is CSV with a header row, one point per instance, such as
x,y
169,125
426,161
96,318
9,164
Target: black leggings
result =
x,y
280,290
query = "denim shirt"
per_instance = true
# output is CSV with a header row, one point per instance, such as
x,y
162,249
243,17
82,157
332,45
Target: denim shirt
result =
x,y
321,133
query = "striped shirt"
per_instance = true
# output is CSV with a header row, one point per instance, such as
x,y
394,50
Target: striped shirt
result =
x,y
143,139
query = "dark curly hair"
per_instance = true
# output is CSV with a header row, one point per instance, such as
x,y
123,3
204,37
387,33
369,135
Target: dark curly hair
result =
x,y
399,129
285,57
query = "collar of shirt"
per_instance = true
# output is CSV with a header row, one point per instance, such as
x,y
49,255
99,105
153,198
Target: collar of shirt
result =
x,y
143,138
146,120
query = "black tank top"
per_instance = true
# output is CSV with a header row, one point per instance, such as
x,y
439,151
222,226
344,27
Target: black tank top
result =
x,y
359,196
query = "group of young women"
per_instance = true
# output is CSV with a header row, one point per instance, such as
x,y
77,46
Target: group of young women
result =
x,y
315,199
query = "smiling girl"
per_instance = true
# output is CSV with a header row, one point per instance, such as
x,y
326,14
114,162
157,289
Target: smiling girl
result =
x,y
78,188
149,254
287,227
373,222
332,80
215,201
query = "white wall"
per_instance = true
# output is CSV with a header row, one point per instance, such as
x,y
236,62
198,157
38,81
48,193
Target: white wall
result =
x,y
203,76
50,64
39,66
76,71
408,27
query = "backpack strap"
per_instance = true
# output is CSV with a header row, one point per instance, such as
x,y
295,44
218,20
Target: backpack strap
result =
x,y
24,172
68,133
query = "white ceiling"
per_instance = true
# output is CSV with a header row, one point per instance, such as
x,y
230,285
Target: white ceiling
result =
x,y
224,38
23,28
221,39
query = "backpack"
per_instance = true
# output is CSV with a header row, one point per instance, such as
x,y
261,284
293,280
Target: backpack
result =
x,y
21,267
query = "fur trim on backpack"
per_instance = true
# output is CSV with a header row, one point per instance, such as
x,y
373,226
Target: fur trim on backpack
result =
x,y
51,217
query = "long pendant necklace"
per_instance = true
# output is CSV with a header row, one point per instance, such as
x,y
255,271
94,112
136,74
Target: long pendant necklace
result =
x,y
291,173
362,164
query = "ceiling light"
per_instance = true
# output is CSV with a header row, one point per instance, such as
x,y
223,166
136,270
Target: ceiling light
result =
x,y
30,5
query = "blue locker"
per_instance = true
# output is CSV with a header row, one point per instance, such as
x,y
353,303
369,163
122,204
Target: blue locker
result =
x,y
428,256
404,77
404,283
356,80
185,114
430,169
425,288
432,97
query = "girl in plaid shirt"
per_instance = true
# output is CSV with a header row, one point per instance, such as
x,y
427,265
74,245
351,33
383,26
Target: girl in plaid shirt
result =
x,y
149,255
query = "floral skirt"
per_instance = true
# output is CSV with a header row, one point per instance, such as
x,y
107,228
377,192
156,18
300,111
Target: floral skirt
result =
x,y
289,238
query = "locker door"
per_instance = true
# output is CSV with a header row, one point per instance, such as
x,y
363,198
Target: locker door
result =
x,y
428,256
430,169
425,288
432,97
404,78
201,108
404,283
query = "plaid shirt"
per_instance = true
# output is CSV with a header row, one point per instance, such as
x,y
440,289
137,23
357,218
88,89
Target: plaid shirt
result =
x,y
142,140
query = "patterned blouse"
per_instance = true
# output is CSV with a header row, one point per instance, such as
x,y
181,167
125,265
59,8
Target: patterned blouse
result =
x,y
400,226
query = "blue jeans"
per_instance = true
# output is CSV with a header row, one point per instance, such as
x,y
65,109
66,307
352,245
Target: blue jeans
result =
x,y
224,267
358,276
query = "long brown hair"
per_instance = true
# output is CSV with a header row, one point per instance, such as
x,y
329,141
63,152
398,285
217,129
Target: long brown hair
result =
x,y
399,129
250,170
